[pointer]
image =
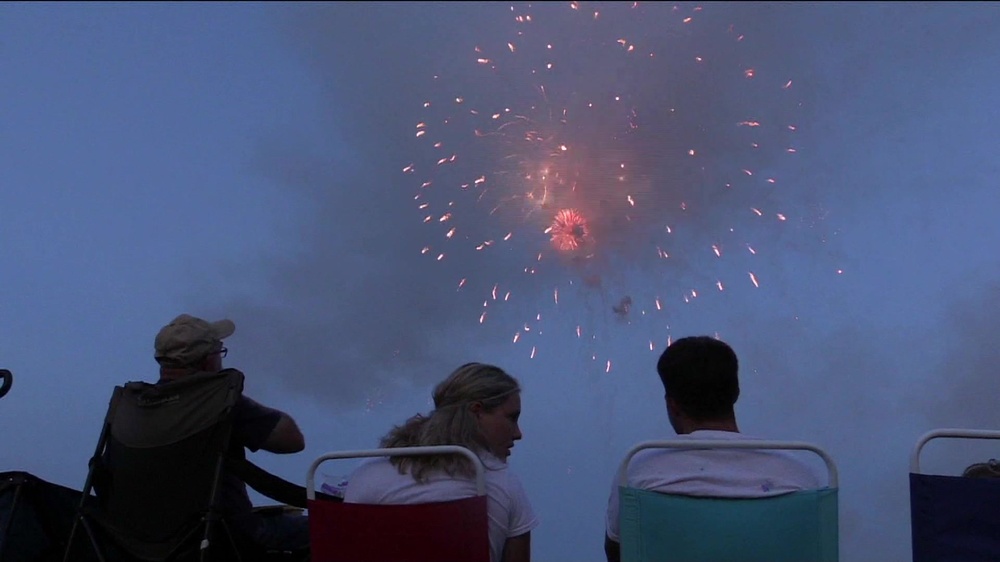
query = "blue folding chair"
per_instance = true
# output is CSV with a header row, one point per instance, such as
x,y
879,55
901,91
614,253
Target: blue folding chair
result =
x,y
799,526
953,518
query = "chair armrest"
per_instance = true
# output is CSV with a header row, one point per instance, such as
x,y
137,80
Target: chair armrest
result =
x,y
270,485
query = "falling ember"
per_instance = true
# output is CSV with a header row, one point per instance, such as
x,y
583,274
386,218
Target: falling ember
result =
x,y
450,233
482,317
781,217
748,73
440,257
555,294
718,252
659,306
719,284
408,169
461,283
651,345
787,85
753,278
517,336
532,352
607,368
579,332
752,251
568,230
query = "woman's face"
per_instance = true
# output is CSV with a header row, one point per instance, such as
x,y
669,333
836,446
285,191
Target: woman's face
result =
x,y
499,426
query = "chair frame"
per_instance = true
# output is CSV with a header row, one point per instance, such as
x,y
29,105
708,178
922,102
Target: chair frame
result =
x,y
831,466
397,452
953,433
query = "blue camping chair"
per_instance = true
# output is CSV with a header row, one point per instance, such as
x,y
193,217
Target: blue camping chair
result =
x,y
953,518
795,527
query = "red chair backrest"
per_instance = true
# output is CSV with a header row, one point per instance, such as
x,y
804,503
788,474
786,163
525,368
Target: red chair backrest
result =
x,y
452,531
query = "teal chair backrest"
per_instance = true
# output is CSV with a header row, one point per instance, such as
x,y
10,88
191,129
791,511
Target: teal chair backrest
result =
x,y
795,527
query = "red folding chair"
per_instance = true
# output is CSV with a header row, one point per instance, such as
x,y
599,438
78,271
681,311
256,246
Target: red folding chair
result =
x,y
451,531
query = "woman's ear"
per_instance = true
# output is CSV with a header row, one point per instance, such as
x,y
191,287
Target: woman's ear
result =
x,y
476,408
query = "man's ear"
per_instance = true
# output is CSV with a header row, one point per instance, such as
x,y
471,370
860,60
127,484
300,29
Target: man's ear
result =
x,y
476,408
671,404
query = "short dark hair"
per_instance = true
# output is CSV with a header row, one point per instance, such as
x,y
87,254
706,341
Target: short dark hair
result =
x,y
701,374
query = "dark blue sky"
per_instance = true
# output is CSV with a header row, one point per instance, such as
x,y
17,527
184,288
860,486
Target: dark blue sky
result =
x,y
244,160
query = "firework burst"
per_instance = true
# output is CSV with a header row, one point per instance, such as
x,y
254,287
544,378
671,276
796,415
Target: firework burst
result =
x,y
590,136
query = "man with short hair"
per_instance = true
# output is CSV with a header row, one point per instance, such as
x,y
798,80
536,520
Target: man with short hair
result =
x,y
189,345
701,385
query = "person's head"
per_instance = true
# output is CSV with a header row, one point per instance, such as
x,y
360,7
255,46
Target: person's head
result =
x,y
477,407
989,469
190,343
485,401
700,381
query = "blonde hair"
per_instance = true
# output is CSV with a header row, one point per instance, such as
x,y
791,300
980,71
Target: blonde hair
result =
x,y
452,422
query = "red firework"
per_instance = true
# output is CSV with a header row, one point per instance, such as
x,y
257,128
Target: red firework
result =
x,y
569,230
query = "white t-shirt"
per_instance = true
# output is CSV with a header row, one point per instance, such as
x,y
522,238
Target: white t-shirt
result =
x,y
728,473
509,511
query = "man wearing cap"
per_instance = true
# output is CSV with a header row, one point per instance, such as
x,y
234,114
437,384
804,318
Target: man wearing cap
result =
x,y
189,345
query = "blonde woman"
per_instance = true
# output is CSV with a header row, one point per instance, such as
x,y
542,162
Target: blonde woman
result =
x,y
476,407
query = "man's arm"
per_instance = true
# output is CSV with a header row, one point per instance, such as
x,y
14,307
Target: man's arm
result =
x,y
285,437
612,549
517,549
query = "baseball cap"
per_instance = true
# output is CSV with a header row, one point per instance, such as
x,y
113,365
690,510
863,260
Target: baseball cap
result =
x,y
186,340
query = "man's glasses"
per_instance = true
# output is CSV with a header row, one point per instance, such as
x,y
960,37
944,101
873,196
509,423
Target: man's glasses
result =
x,y
223,352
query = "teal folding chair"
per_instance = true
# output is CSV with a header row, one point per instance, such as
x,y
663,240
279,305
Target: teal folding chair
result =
x,y
799,526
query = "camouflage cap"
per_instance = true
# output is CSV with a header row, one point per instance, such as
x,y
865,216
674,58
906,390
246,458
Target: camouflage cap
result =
x,y
186,340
